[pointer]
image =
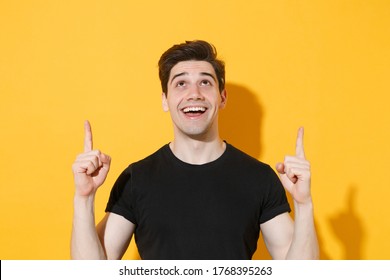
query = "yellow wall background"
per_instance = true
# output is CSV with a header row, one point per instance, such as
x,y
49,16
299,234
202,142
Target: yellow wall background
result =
x,y
322,64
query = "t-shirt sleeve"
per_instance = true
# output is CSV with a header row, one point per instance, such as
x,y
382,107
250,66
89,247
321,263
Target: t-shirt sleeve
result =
x,y
275,201
121,199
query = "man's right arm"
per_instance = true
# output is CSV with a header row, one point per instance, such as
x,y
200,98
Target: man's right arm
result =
x,y
108,240
113,234
85,243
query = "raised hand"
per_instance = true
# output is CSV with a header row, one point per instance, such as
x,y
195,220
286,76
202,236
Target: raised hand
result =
x,y
90,168
295,174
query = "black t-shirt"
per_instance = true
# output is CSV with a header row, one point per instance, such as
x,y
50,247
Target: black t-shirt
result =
x,y
208,211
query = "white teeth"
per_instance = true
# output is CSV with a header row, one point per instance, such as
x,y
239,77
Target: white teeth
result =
x,y
194,109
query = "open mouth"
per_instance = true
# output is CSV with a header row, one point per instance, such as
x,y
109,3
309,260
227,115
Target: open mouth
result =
x,y
194,111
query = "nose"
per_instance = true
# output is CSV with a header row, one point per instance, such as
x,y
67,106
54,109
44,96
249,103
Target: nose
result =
x,y
195,93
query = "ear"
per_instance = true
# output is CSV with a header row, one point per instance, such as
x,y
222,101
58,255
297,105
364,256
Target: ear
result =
x,y
164,102
223,99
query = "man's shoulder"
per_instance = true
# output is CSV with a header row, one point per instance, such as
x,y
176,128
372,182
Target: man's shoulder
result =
x,y
152,159
241,157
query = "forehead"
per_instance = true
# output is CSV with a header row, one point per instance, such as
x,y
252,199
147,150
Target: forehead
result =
x,y
192,67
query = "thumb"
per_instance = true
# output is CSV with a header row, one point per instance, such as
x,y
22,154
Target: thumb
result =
x,y
106,161
280,168
284,179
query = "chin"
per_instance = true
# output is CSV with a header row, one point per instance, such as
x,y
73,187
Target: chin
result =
x,y
195,132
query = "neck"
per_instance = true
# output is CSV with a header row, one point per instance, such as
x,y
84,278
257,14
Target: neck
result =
x,y
195,151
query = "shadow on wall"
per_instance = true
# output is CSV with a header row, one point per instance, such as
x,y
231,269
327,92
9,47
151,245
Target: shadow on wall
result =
x,y
240,121
348,228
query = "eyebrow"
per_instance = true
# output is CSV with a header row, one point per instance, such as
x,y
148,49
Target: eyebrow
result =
x,y
186,73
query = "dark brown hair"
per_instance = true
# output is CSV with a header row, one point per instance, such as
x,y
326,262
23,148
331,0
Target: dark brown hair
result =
x,y
190,50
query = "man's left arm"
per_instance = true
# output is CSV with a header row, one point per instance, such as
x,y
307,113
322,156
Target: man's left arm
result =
x,y
287,239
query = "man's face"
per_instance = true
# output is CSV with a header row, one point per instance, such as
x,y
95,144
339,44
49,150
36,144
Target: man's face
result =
x,y
193,99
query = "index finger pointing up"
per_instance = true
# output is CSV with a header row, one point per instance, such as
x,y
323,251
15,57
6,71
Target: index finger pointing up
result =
x,y
87,137
299,151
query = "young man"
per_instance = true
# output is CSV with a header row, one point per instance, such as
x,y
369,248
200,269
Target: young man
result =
x,y
197,197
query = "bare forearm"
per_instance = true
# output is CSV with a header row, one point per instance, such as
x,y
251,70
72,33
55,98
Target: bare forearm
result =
x,y
304,243
85,243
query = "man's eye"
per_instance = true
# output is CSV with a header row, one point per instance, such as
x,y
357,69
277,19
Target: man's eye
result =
x,y
205,83
180,84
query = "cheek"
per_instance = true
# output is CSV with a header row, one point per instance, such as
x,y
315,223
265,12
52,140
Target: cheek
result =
x,y
171,104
